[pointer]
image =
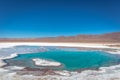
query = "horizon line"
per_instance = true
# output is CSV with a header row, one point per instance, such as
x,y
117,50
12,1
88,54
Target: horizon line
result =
x,y
55,36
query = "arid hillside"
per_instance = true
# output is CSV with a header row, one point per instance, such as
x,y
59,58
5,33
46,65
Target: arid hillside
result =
x,y
109,37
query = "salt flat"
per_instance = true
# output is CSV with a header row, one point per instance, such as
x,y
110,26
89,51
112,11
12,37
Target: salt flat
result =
x,y
91,45
105,73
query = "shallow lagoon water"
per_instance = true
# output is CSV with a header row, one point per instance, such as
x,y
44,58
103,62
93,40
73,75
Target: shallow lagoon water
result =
x,y
71,59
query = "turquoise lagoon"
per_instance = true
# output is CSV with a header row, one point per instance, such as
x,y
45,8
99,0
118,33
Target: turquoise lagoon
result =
x,y
71,59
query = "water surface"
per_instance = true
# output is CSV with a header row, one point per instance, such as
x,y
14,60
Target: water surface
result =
x,y
71,59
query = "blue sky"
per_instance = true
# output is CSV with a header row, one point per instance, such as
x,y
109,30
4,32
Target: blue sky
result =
x,y
45,18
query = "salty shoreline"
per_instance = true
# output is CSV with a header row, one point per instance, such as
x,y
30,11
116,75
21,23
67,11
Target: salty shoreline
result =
x,y
78,45
89,45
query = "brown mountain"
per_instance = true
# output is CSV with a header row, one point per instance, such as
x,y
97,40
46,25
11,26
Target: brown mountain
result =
x,y
109,37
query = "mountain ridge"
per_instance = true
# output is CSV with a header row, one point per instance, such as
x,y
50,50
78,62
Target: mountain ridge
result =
x,y
108,37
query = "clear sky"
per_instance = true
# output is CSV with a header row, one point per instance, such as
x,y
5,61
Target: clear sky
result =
x,y
43,18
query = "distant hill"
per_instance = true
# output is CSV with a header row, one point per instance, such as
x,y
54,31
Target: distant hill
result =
x,y
109,37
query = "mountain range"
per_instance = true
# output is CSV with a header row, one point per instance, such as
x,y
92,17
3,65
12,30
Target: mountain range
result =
x,y
108,37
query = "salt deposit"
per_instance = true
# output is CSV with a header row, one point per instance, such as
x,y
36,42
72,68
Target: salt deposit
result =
x,y
42,62
104,73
